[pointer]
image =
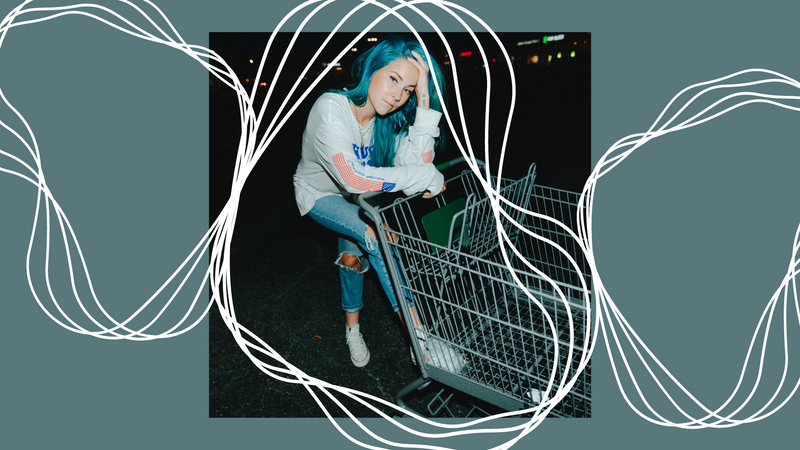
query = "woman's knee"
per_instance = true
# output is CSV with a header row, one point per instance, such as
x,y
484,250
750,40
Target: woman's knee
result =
x,y
372,238
348,260
388,230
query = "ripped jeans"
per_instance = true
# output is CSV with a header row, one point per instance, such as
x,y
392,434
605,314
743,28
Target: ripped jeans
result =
x,y
346,218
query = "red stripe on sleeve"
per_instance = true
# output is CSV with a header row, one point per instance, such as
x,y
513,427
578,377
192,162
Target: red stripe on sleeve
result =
x,y
351,179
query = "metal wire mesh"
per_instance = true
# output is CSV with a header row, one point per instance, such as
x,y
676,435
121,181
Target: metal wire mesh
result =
x,y
466,297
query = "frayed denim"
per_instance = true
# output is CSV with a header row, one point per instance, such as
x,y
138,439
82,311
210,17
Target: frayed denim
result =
x,y
350,222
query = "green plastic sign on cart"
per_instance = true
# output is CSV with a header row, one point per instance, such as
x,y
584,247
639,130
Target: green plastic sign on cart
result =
x,y
437,224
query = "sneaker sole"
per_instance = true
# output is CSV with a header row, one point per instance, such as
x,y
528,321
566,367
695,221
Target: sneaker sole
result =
x,y
360,363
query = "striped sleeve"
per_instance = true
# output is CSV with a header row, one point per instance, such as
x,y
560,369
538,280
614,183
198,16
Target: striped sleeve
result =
x,y
356,179
344,168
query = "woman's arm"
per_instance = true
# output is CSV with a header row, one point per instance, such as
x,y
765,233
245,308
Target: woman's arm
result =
x,y
423,95
335,154
417,146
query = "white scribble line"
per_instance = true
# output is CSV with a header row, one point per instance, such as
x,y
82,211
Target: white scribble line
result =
x,y
217,240
604,299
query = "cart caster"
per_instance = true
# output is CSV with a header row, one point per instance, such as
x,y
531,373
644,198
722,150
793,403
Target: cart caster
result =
x,y
416,385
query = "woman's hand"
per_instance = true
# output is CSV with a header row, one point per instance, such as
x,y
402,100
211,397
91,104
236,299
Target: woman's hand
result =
x,y
423,95
427,194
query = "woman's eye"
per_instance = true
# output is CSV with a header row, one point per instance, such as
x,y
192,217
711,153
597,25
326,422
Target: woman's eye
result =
x,y
394,80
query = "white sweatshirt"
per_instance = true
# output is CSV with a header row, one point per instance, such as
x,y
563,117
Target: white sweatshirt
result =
x,y
334,163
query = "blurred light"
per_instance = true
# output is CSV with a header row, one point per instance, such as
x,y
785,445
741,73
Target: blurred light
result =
x,y
556,37
247,80
353,49
549,58
535,59
262,83
572,55
372,39
251,61
558,55
447,63
466,53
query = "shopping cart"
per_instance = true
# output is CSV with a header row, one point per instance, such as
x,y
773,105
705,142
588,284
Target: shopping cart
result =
x,y
481,334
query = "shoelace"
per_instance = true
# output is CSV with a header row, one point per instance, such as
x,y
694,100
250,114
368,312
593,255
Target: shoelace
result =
x,y
355,342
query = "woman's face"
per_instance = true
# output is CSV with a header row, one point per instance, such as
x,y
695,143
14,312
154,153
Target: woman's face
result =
x,y
390,87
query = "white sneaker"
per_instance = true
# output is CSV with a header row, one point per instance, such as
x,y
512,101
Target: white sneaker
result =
x,y
438,353
359,354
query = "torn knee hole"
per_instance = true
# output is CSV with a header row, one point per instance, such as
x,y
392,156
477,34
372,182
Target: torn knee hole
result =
x,y
350,261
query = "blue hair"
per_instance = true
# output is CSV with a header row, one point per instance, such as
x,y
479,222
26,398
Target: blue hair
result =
x,y
390,128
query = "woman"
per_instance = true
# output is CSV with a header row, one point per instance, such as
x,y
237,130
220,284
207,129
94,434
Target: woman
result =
x,y
378,134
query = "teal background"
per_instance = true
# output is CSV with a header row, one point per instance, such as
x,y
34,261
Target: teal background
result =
x,y
692,233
